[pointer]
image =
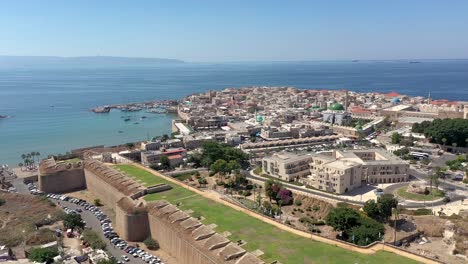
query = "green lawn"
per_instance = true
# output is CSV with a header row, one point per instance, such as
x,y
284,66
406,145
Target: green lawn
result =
x,y
275,243
434,195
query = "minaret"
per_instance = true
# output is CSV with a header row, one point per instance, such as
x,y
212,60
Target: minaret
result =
x,y
429,98
346,102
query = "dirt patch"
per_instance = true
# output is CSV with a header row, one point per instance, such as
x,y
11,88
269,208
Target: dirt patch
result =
x,y
431,225
308,214
21,214
461,236
437,248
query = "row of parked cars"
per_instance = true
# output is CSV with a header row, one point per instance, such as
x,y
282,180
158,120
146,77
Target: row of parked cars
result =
x,y
108,230
33,189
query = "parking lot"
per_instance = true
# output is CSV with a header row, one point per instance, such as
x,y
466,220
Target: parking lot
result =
x,y
96,220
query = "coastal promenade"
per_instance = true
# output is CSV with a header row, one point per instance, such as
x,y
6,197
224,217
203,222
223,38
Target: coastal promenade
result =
x,y
364,250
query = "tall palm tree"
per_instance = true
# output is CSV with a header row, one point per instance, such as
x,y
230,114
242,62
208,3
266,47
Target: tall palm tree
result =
x,y
28,160
20,165
33,155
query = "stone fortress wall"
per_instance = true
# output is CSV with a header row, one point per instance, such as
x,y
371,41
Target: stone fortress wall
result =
x,y
61,177
131,220
190,240
182,236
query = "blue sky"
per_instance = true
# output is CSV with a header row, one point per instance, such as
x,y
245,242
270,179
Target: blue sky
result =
x,y
239,30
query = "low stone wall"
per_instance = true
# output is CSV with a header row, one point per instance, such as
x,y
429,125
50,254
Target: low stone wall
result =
x,y
158,188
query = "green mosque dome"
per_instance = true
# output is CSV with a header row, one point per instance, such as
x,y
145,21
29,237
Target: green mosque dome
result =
x,y
259,118
336,107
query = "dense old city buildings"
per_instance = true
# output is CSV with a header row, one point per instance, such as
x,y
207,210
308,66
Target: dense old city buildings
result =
x,y
282,113
338,171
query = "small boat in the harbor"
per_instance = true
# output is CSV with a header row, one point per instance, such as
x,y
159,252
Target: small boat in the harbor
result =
x,y
136,123
143,117
120,131
127,119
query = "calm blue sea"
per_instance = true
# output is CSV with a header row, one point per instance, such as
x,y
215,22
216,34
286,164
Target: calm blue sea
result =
x,y
27,94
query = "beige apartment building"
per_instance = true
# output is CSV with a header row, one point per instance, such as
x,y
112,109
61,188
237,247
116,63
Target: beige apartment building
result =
x,y
287,166
343,171
338,171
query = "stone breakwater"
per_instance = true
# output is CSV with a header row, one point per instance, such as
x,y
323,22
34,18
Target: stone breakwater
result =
x,y
168,105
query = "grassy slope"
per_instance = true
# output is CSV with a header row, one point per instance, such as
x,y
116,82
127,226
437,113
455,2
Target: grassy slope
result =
x,y
275,243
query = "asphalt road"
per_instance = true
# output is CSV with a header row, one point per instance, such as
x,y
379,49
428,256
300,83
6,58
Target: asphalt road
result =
x,y
406,204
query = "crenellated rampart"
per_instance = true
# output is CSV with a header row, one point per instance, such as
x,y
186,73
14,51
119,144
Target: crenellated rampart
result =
x,y
191,241
61,177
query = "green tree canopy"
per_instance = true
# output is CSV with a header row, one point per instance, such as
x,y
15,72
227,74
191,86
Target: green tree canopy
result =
x,y
107,261
165,163
93,239
73,220
213,151
272,189
366,232
386,203
445,131
219,166
396,138
371,208
151,243
42,254
342,218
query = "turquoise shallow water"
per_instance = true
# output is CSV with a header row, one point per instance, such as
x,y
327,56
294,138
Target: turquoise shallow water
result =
x,y
27,94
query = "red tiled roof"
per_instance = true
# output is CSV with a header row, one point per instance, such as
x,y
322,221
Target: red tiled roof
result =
x,y
174,151
392,94
175,157
443,101
359,110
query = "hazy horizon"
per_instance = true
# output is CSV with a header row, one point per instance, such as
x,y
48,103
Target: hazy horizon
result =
x,y
238,31
233,61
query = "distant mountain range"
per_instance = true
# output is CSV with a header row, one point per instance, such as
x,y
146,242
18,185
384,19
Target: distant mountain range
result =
x,y
86,60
